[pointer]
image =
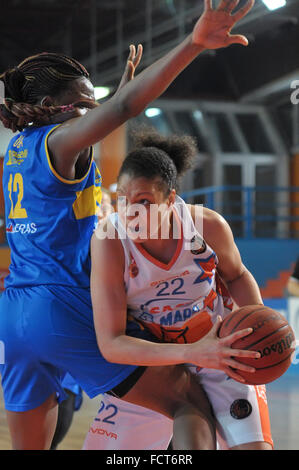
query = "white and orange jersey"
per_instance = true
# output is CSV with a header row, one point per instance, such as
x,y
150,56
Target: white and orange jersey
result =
x,y
179,301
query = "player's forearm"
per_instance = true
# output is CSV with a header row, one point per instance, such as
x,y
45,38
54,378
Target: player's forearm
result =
x,y
129,101
244,290
155,79
134,351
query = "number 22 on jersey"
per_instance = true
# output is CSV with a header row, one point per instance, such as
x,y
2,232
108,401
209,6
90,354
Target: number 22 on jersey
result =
x,y
16,185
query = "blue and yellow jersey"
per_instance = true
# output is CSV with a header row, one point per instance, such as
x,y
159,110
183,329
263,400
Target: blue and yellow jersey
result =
x,y
49,219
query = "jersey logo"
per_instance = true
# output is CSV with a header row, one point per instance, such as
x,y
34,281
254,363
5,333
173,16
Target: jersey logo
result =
x,y
98,177
19,142
240,409
261,392
157,309
207,267
133,268
194,329
22,228
16,158
103,432
198,245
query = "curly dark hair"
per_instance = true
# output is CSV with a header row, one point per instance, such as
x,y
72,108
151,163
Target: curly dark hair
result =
x,y
44,74
154,155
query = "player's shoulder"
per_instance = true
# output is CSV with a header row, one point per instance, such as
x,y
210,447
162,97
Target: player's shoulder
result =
x,y
107,252
211,220
106,238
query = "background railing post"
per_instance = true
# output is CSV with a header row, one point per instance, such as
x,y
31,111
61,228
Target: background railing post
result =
x,y
248,213
211,200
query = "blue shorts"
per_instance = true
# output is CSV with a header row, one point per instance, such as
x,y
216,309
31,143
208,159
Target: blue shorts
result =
x,y
70,384
48,331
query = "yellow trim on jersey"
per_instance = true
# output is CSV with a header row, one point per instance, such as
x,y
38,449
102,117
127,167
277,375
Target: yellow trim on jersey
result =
x,y
60,178
85,204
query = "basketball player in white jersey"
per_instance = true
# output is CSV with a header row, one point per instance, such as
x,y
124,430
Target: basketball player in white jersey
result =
x,y
176,289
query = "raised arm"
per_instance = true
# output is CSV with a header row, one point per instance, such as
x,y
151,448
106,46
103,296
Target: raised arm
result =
x,y
212,31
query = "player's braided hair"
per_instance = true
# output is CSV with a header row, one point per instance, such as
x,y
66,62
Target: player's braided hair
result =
x,y
156,156
45,74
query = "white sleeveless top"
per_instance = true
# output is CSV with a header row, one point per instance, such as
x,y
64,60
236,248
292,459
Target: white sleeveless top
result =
x,y
179,301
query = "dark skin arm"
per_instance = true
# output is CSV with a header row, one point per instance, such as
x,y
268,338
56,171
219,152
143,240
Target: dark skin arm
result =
x,y
82,89
212,31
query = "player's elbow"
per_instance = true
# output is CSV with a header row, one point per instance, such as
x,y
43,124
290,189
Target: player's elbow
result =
x,y
130,110
110,350
128,106
123,106
108,354
235,274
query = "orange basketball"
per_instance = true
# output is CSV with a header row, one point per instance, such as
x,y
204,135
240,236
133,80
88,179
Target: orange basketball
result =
x,y
272,336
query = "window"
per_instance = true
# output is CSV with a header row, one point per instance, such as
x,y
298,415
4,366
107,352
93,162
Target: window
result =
x,y
222,131
284,117
254,132
201,179
157,118
265,201
186,125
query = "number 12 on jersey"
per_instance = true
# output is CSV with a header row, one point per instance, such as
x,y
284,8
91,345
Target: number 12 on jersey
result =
x,y
16,185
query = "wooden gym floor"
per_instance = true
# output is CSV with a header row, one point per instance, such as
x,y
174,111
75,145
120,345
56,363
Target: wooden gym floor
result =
x,y
283,400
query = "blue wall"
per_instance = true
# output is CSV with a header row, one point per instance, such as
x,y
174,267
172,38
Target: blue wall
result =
x,y
265,258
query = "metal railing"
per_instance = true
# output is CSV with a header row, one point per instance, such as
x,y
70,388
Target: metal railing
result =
x,y
253,212
106,61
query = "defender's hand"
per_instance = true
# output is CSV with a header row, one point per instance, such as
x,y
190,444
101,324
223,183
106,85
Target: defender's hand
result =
x,y
212,31
132,64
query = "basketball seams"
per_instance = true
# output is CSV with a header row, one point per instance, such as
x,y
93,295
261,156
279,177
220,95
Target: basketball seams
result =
x,y
230,318
273,365
240,321
271,331
238,312
260,369
267,336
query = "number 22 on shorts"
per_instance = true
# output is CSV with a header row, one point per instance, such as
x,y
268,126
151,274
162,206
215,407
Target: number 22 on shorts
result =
x,y
111,414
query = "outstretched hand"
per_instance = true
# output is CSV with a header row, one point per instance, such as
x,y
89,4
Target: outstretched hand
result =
x,y
132,64
213,29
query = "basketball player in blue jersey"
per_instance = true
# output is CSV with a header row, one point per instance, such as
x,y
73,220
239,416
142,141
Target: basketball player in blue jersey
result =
x,y
52,189
73,391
